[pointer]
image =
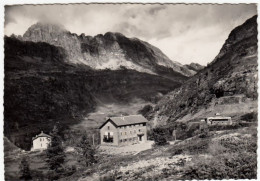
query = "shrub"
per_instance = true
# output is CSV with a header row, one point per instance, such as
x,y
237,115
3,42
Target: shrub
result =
x,y
69,170
109,177
145,110
204,132
192,147
25,170
245,144
215,148
87,151
55,152
224,166
224,127
160,136
250,117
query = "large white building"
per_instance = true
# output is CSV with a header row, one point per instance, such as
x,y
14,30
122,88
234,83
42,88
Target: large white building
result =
x,y
124,130
41,141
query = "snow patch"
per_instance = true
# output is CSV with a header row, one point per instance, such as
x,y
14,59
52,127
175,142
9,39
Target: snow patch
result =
x,y
115,64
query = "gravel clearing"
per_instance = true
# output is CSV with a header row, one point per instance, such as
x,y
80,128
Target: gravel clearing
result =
x,y
126,150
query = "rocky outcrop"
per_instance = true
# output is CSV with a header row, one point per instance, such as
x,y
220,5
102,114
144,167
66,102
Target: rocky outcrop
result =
x,y
58,36
194,67
233,72
109,51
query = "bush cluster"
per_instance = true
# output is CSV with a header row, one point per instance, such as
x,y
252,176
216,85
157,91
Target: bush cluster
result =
x,y
224,166
159,136
231,159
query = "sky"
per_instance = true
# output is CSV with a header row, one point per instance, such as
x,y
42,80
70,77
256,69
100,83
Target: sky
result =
x,y
185,33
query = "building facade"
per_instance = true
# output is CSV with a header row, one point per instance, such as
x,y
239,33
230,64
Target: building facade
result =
x,y
219,120
125,130
41,141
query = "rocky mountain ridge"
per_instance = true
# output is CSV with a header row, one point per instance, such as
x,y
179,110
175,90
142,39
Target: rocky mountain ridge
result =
x,y
109,51
194,67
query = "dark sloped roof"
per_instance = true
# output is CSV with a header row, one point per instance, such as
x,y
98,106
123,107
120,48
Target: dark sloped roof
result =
x,y
41,135
126,120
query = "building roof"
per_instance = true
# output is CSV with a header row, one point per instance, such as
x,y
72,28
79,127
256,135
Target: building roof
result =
x,y
41,135
126,120
219,117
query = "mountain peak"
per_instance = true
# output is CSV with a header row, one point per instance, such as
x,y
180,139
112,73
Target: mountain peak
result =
x,y
44,27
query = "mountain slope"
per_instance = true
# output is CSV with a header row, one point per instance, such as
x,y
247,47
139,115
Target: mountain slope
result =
x,y
43,88
233,73
194,67
109,51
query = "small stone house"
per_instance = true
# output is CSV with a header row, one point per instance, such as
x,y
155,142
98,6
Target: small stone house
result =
x,y
41,141
124,130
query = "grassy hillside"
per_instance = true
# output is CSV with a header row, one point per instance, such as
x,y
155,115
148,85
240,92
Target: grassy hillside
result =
x,y
226,154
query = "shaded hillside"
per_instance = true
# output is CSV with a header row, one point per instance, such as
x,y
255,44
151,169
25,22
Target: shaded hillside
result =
x,y
108,51
194,67
233,72
41,89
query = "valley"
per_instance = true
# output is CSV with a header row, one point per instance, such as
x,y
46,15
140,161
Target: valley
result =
x,y
55,79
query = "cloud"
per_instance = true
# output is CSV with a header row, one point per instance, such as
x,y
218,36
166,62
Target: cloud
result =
x,y
185,33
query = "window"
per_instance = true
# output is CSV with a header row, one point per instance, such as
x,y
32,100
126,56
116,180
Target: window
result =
x,y
40,139
125,133
121,133
108,137
108,127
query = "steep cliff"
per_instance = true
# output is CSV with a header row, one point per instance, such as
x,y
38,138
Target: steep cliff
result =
x,y
233,72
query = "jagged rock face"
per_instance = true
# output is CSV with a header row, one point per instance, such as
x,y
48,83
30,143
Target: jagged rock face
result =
x,y
233,72
55,35
112,50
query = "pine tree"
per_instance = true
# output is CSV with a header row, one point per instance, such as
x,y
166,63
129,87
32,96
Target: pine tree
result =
x,y
87,151
25,170
55,152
